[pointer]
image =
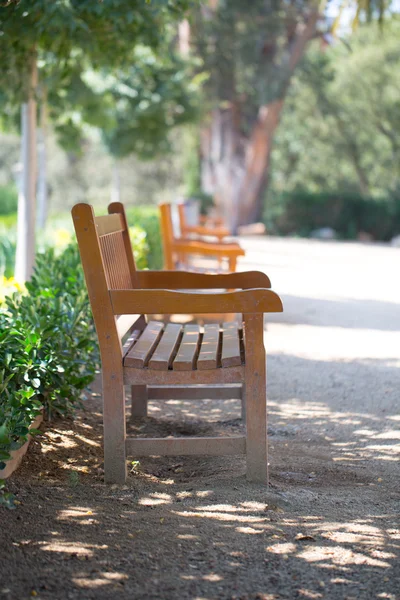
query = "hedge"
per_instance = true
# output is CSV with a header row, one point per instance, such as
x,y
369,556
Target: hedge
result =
x,y
48,347
301,212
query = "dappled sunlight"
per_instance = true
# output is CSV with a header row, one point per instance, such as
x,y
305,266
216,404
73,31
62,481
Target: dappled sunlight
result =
x,y
102,579
156,499
78,514
221,516
207,410
340,556
78,549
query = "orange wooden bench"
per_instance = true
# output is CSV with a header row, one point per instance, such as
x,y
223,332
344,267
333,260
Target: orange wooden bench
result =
x,y
177,251
142,354
207,226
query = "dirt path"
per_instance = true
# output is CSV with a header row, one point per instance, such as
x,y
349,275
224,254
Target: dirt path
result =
x,y
328,527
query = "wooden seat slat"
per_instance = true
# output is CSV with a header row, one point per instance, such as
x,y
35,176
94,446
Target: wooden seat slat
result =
x,y
188,349
230,355
164,353
208,357
139,355
130,342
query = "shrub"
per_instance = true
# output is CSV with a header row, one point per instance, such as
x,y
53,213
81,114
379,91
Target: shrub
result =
x,y
7,255
140,246
300,212
8,221
147,218
8,199
48,347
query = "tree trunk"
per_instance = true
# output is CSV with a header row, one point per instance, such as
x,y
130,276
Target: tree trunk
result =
x,y
115,182
235,168
42,190
25,255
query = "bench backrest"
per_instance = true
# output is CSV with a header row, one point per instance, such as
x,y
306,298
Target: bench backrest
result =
x,y
108,264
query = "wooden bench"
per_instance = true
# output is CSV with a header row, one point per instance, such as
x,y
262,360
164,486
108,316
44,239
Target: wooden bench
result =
x,y
178,251
207,226
143,354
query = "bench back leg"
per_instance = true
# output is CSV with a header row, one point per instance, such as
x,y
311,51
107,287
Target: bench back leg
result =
x,y
256,399
114,427
139,398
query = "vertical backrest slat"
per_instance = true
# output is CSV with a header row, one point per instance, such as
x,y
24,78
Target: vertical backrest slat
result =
x,y
115,261
167,234
182,219
117,208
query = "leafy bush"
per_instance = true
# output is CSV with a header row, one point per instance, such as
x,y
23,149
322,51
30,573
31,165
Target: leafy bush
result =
x,y
206,201
140,246
147,218
8,199
48,347
301,211
7,255
8,221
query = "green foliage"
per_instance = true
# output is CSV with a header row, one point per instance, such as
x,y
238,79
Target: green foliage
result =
x,y
6,498
48,347
192,166
8,199
301,211
205,200
142,96
140,246
340,125
67,33
246,50
7,255
147,100
8,221
147,218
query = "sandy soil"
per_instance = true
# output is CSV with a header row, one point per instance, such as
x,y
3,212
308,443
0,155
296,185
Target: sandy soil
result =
x,y
327,527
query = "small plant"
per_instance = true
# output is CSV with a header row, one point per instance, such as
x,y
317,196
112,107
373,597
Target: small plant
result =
x,y
73,478
7,499
135,466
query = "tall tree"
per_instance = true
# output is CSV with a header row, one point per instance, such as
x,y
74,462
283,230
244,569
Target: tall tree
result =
x,y
340,128
251,51
58,34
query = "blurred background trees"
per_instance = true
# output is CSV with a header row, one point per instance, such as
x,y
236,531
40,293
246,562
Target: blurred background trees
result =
x,y
283,112
46,50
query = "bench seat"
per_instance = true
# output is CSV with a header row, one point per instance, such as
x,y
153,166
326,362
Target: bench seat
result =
x,y
190,347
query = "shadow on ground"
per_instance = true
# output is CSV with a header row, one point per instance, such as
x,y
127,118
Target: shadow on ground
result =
x,y
192,527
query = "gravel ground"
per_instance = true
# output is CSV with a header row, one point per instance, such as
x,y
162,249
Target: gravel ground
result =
x,y
191,527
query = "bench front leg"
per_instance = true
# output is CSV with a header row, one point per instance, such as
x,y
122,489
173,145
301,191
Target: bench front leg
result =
x,y
255,399
114,426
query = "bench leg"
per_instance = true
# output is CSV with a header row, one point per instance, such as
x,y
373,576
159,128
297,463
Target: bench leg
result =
x,y
114,428
243,400
256,399
139,398
232,264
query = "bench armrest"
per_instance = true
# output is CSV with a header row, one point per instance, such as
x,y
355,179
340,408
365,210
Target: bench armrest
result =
x,y
256,300
210,231
216,221
185,280
207,248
